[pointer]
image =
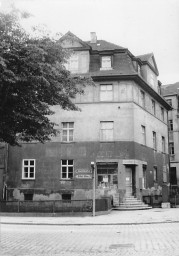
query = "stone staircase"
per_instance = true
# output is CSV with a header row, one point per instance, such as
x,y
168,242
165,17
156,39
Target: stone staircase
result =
x,y
129,203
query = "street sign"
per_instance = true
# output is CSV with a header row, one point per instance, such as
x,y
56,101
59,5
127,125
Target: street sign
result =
x,y
83,176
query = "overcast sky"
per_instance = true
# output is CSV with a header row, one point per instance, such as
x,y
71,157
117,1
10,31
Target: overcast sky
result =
x,y
142,26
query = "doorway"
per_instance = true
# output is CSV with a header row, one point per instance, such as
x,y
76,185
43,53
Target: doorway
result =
x,y
130,180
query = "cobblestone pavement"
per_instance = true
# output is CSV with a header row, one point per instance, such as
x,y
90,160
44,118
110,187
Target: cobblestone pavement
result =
x,y
141,240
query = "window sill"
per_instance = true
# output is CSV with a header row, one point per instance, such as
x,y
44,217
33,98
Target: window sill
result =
x,y
103,69
67,142
66,179
27,178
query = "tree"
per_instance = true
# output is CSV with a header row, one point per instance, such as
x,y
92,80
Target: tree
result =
x,y
32,79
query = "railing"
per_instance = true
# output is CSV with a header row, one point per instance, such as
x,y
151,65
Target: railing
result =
x,y
47,206
153,200
174,195
55,206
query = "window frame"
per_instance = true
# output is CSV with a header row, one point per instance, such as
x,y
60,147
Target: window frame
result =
x,y
154,140
170,125
163,145
67,165
109,95
67,129
28,166
169,101
171,148
162,114
143,134
155,172
153,107
142,93
103,66
104,132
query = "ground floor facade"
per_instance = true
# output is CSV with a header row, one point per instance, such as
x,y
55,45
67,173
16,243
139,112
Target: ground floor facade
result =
x,y
59,171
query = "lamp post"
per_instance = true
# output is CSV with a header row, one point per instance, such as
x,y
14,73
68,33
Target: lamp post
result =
x,y
94,178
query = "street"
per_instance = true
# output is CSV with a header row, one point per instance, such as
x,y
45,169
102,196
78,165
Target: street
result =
x,y
141,239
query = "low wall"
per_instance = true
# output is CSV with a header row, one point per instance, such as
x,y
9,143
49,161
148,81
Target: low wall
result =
x,y
55,206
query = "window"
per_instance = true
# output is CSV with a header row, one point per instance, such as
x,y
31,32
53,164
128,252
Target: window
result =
x,y
66,197
105,62
153,107
72,64
28,197
154,141
142,97
67,169
164,174
144,176
67,131
106,131
28,169
139,69
106,92
107,175
171,148
170,125
162,114
143,135
163,144
155,173
152,79
169,101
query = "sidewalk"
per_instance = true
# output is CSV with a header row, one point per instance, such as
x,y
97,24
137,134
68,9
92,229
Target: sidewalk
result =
x,y
155,215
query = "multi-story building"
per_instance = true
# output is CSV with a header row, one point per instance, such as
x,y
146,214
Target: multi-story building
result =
x,y
171,94
122,128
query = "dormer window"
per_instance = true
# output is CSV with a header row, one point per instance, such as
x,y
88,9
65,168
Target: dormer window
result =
x,y
106,63
139,69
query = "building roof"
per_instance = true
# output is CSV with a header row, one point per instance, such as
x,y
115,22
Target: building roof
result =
x,y
170,89
102,45
145,57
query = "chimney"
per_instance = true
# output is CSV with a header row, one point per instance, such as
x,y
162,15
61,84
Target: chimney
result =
x,y
93,37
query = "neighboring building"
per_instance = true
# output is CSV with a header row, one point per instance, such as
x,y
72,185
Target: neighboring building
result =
x,y
122,127
171,94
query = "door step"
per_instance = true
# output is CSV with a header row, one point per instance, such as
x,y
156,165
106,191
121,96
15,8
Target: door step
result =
x,y
130,203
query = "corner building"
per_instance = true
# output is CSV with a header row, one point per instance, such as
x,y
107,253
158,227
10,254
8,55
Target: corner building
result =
x,y
122,128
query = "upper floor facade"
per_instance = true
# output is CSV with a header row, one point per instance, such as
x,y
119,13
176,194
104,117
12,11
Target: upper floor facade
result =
x,y
99,58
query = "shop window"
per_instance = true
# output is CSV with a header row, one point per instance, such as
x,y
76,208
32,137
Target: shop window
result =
x,y
107,176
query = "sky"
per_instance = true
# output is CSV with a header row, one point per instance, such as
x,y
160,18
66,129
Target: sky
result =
x,y
142,26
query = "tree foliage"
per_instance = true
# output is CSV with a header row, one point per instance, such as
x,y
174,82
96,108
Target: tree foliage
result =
x,y
32,79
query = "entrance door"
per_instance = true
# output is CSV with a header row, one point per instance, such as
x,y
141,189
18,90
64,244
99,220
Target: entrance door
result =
x,y
128,181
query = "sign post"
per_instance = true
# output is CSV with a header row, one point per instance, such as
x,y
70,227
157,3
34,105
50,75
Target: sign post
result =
x,y
94,178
